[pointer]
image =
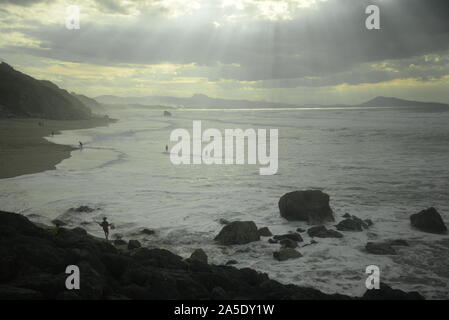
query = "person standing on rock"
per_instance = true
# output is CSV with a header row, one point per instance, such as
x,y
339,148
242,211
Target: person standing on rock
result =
x,y
105,224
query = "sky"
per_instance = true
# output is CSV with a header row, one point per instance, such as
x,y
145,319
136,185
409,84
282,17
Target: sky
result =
x,y
291,51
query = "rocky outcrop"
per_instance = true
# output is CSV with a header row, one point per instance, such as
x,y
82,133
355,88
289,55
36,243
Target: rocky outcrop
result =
x,y
238,232
387,293
311,206
349,225
33,261
428,221
322,232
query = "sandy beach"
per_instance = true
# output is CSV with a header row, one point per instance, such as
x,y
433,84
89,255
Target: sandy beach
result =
x,y
23,149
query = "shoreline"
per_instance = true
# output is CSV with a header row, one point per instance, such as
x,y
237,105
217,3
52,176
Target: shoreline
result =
x,y
24,150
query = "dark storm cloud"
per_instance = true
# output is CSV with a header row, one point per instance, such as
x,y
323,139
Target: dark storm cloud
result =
x,y
318,47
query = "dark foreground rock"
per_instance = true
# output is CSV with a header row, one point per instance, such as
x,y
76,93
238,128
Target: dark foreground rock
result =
x,y
311,206
199,255
238,232
387,293
428,221
33,263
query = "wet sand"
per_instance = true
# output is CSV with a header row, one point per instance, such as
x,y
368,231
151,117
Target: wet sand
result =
x,y
23,149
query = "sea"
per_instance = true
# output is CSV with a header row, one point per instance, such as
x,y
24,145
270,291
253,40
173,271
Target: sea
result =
x,y
382,164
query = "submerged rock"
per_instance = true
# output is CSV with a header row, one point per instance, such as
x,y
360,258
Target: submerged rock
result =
x,y
286,254
322,232
399,242
265,232
85,209
311,206
428,220
147,231
292,236
238,232
199,255
380,248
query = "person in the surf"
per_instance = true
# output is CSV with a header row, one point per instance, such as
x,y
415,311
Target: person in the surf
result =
x,y
105,224
166,148
81,144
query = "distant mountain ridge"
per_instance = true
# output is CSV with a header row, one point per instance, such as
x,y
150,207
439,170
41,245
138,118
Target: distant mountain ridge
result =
x,y
396,102
203,101
25,97
197,100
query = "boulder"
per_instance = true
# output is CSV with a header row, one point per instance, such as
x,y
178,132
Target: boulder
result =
x,y
292,236
368,222
286,254
134,244
288,243
238,232
199,255
428,221
346,215
310,205
264,232
167,114
349,225
272,241
322,232
380,248
300,230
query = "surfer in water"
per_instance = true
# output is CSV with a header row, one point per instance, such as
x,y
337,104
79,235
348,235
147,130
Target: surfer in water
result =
x,y
166,148
81,144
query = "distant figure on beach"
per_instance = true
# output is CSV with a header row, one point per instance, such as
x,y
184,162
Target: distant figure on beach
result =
x,y
105,224
166,148
52,133
81,144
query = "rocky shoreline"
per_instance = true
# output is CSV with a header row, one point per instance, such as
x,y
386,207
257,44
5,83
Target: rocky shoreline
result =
x,y
33,261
